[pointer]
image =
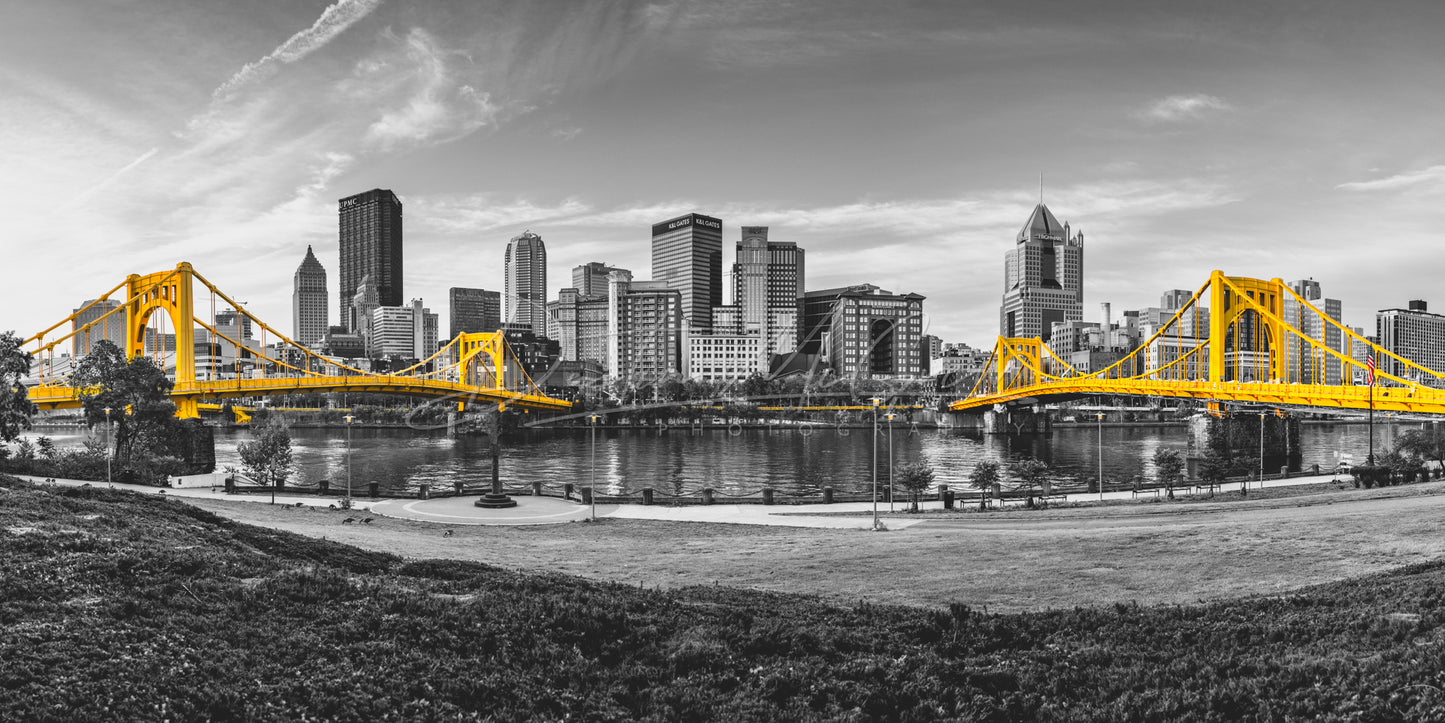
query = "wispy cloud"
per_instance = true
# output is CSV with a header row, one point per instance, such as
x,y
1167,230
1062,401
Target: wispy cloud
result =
x,y
333,21
439,107
478,213
1177,108
1433,174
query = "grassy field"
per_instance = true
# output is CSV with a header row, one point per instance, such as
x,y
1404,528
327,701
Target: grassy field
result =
x,y
1172,553
115,606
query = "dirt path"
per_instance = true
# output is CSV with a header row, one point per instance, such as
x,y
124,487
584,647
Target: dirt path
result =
x,y
1010,561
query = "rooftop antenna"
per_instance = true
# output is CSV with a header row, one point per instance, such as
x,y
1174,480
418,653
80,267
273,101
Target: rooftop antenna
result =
x,y
1041,188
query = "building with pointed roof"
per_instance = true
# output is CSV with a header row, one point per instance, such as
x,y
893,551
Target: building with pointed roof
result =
x,y
1043,277
308,301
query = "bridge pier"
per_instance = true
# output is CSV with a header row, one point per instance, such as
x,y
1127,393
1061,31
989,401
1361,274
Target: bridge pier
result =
x,y
1016,420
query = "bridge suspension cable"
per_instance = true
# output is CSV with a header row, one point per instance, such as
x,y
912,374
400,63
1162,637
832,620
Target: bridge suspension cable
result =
x,y
471,367
1255,341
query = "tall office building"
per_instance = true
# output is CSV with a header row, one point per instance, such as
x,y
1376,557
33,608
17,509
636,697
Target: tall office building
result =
x,y
644,320
370,232
687,256
474,310
1306,362
525,293
308,301
767,286
590,279
111,330
1414,334
750,277
1043,278
408,331
785,274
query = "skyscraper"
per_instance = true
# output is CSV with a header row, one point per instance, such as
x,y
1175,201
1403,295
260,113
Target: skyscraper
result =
x,y
750,277
590,279
370,232
1043,278
687,256
111,330
474,310
767,285
1415,334
308,301
525,294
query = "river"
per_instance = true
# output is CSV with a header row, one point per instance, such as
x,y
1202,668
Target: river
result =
x,y
737,462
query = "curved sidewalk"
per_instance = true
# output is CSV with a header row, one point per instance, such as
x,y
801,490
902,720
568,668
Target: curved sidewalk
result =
x,y
551,510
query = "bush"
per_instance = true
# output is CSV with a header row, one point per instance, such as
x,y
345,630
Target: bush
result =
x,y
1370,476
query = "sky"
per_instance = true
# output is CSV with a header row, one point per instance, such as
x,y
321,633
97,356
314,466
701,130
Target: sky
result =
x,y
900,143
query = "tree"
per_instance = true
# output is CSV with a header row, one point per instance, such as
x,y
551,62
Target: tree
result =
x,y
983,477
138,396
1170,468
16,409
915,477
268,458
1422,445
1032,474
1214,467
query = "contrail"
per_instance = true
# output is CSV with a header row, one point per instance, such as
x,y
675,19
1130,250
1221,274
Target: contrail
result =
x,y
87,193
333,21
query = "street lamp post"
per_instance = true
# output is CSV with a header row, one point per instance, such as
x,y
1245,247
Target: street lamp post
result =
x,y
1261,451
349,418
891,490
1101,456
875,400
108,452
594,419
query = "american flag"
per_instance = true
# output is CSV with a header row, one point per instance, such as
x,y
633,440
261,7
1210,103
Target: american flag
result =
x,y
1370,367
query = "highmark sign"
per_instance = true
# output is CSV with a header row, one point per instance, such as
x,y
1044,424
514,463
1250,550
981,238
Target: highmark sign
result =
x,y
692,219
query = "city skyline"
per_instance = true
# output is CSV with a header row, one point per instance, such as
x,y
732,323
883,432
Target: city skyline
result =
x,y
1263,142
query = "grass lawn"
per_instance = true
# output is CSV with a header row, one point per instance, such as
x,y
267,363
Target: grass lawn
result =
x,y
117,606
1007,561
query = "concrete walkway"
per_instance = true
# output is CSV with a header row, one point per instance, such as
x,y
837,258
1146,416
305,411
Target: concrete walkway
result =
x,y
551,510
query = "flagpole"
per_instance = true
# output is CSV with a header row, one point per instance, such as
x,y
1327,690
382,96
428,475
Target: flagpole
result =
x,y
1370,461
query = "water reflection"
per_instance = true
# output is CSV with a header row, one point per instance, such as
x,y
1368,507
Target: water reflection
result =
x,y
738,462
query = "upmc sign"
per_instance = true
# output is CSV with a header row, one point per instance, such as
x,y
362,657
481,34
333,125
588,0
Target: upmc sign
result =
x,y
692,219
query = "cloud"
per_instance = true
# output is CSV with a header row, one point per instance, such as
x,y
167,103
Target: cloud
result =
x,y
1176,108
471,214
439,107
567,134
333,21
1433,174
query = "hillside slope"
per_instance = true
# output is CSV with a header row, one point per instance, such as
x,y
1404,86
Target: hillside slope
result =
x,y
116,606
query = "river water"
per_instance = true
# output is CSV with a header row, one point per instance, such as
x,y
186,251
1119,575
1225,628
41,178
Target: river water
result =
x,y
740,461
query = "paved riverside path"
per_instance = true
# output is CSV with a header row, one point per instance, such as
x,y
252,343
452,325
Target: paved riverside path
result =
x,y
551,510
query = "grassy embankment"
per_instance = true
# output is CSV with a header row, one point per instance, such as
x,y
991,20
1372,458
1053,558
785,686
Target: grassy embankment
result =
x,y
116,606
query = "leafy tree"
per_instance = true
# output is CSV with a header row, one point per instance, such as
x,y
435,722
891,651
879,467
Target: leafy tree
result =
x,y
138,395
16,409
1214,467
915,477
983,477
1031,474
268,458
1170,468
1422,445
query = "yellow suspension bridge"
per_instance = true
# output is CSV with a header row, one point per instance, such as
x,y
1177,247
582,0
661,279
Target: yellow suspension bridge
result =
x,y
476,368
1237,340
